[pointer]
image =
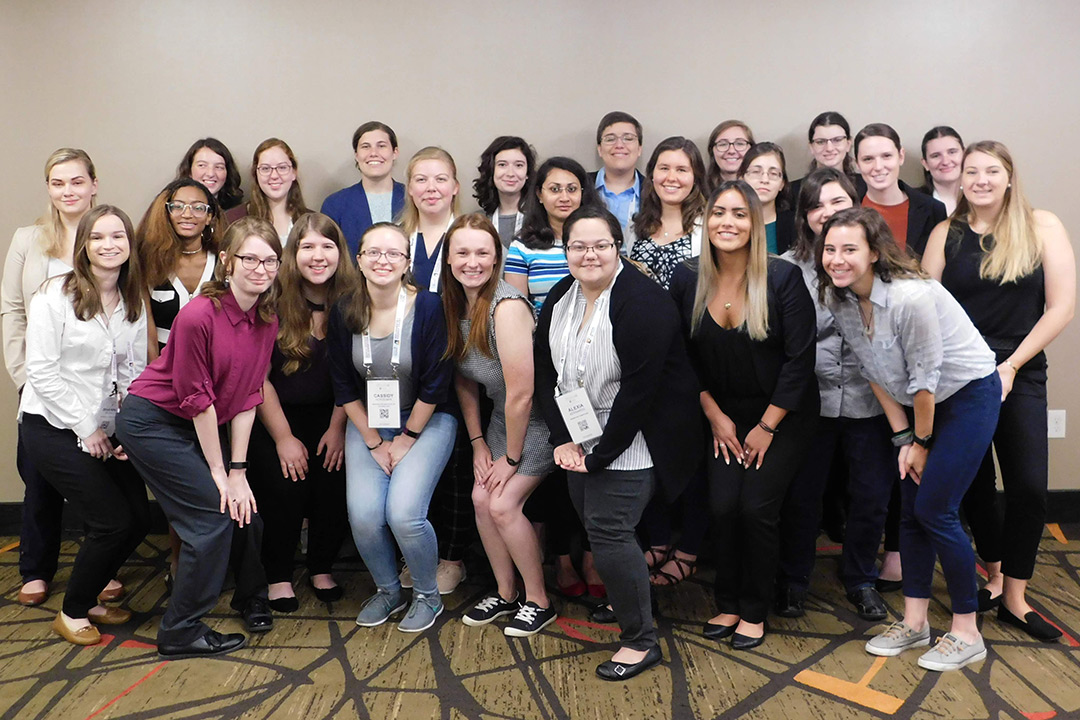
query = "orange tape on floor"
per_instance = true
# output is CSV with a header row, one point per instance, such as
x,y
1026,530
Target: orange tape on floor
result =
x,y
9,546
859,692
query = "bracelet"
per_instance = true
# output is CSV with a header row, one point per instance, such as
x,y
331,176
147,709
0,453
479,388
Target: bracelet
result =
x,y
766,428
478,437
237,465
902,438
1009,363
409,433
372,447
510,461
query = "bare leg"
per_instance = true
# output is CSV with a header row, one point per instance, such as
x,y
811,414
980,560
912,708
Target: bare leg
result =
x,y
502,565
995,581
517,536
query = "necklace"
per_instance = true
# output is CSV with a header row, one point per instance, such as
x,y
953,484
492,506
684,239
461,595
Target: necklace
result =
x,y
191,252
867,317
314,306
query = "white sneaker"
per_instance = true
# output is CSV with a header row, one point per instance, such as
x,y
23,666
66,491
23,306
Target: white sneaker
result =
x,y
447,576
952,653
897,638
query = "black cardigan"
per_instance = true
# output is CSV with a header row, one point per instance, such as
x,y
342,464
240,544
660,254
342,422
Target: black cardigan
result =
x,y
923,215
659,392
784,361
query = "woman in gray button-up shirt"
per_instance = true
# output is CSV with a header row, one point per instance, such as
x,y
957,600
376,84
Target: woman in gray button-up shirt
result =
x,y
918,349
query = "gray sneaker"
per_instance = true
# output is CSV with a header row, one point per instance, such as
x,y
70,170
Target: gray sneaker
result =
x,y
897,638
952,653
422,613
378,608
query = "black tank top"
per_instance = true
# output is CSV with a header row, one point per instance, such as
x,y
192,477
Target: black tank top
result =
x,y
1003,313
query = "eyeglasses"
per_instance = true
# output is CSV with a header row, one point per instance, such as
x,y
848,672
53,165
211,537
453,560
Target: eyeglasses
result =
x,y
756,173
740,145
392,256
282,169
570,189
626,139
250,262
820,143
581,248
197,209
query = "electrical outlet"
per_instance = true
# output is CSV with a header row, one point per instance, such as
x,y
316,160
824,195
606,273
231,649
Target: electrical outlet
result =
x,y
1055,423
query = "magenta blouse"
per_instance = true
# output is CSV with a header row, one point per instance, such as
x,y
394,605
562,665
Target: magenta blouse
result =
x,y
215,356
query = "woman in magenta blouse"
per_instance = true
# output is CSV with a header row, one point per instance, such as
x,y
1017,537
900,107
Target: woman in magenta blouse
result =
x,y
189,410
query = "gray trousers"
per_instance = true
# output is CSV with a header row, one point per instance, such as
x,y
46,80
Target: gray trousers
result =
x,y
610,503
165,450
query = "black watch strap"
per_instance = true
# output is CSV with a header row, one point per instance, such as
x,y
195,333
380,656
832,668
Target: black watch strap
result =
x,y
924,442
511,461
406,431
234,465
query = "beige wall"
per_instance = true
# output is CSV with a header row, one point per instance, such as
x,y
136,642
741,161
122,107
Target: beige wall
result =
x,y
135,82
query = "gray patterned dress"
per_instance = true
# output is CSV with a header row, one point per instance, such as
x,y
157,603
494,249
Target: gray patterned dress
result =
x,y
537,458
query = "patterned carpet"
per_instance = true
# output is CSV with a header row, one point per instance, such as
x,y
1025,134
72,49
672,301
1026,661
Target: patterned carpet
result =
x,y
317,663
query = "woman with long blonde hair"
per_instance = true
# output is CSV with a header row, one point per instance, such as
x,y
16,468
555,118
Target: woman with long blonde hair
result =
x,y
1013,271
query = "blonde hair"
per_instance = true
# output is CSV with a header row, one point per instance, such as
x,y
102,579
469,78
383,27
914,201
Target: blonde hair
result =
x,y
52,227
1014,250
756,297
410,214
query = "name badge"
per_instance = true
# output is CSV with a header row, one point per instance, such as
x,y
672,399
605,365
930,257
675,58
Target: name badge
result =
x,y
383,404
577,413
107,416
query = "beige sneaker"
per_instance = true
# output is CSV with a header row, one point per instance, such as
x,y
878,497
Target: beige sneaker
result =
x,y
448,576
405,577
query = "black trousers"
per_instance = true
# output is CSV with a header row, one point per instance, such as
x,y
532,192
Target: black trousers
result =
x,y
451,511
42,519
746,505
1012,537
165,450
110,497
283,504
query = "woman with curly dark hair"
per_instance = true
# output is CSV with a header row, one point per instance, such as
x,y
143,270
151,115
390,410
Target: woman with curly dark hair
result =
x,y
506,167
210,162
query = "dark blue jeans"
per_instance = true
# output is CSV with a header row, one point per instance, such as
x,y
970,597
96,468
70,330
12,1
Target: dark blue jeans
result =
x,y
930,516
871,463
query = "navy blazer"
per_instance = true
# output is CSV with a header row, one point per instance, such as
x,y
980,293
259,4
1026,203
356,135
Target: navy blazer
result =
x,y
428,345
923,215
349,209
784,360
658,395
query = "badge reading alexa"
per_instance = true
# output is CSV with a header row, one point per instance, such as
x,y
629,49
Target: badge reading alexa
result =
x,y
578,415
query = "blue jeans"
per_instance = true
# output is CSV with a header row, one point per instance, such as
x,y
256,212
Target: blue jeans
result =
x,y
930,513
384,508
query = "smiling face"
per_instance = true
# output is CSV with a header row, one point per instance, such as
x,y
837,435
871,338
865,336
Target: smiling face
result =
x,y
108,246
187,224
472,255
943,158
879,162
381,270
766,175
432,187
560,193
673,177
591,253
510,171
210,169
985,180
831,200
71,189
375,154
729,223
848,260
729,148
251,283
830,145
316,258
280,173
619,147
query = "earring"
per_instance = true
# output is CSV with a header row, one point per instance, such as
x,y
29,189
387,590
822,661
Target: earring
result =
x,y
227,281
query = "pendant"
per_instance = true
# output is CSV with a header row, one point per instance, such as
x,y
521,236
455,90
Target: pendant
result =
x,y
727,306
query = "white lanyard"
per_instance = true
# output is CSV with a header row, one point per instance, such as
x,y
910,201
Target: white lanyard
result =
x,y
519,219
436,271
395,353
590,335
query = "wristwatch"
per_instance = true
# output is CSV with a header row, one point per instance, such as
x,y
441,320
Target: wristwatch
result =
x,y
409,433
236,465
924,442
511,461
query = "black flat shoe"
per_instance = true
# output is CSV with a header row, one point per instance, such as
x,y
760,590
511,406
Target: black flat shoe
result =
x,y
868,603
256,614
603,614
327,594
986,602
789,602
616,672
1032,624
284,605
212,643
745,642
884,586
715,631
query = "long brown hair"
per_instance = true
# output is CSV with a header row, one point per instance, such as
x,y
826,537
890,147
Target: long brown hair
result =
x,y
892,262
159,245
454,302
294,314
259,205
648,219
80,283
235,236
50,223
356,305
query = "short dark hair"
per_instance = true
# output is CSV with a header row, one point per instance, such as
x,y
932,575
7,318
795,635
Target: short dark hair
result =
x,y
768,148
936,133
373,125
618,116
487,197
595,212
831,117
877,130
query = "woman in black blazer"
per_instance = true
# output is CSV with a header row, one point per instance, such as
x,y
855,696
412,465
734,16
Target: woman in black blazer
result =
x,y
750,324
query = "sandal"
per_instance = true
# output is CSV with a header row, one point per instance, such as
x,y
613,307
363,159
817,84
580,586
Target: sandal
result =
x,y
686,568
657,556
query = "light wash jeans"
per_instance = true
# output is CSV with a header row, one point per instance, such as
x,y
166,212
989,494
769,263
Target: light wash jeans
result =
x,y
380,504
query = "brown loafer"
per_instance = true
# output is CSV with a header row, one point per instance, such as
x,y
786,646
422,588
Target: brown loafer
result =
x,y
31,599
108,595
82,636
111,616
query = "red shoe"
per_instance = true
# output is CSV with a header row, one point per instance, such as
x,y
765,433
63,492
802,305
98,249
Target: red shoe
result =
x,y
597,591
573,590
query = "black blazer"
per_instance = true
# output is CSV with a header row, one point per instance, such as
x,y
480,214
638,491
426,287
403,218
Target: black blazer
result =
x,y
785,231
659,392
784,361
923,215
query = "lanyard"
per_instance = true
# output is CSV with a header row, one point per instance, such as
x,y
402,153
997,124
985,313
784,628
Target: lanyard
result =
x,y
395,354
590,334
436,271
519,219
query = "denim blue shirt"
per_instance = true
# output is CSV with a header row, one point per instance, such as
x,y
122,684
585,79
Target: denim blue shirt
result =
x,y
622,205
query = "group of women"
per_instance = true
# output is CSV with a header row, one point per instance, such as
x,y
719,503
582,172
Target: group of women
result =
x,y
261,367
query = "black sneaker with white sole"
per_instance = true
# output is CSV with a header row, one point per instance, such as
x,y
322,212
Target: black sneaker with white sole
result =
x,y
491,607
530,619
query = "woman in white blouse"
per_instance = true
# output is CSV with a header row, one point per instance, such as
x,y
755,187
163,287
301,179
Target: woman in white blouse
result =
x,y
86,342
